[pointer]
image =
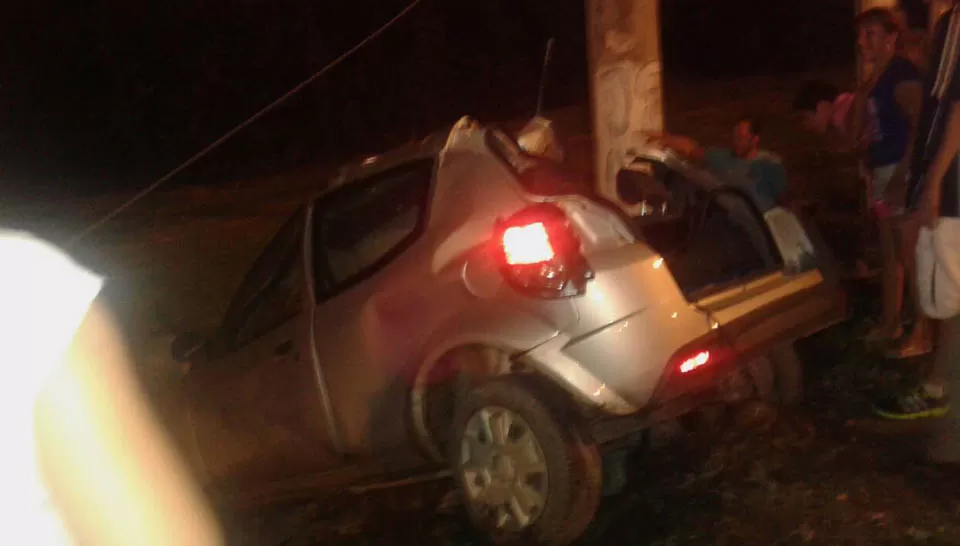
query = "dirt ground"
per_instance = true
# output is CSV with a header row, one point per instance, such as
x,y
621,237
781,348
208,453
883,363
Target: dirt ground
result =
x,y
824,474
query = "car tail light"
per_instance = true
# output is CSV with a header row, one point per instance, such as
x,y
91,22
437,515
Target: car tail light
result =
x,y
697,367
696,361
540,253
529,244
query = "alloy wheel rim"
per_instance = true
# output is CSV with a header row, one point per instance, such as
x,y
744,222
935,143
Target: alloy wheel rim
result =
x,y
503,469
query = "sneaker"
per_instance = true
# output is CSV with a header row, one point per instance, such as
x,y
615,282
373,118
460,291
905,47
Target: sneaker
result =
x,y
917,404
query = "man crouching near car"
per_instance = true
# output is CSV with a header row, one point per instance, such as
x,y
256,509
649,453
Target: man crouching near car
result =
x,y
744,161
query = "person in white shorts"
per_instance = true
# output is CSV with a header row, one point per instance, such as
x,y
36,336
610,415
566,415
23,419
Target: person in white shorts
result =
x,y
933,192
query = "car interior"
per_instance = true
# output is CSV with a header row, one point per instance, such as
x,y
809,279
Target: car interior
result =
x,y
707,238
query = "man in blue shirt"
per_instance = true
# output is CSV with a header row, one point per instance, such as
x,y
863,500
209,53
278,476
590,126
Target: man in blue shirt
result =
x,y
744,164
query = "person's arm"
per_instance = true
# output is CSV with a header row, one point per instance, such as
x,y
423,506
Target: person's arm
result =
x,y
909,96
777,182
858,139
940,164
684,146
928,208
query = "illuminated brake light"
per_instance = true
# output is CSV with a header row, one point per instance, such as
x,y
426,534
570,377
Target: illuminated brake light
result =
x,y
538,251
701,359
530,244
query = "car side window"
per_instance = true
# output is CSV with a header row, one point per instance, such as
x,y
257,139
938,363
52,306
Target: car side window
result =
x,y
708,239
271,292
727,244
641,182
654,191
360,228
279,302
665,197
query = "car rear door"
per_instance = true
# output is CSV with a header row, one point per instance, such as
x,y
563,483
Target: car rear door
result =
x,y
370,320
255,408
757,285
781,304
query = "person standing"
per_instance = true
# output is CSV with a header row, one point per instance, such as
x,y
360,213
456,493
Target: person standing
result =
x,y
933,192
887,108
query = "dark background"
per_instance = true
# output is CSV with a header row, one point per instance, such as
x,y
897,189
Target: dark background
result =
x,y
108,94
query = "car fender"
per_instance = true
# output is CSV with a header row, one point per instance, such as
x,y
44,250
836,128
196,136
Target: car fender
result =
x,y
515,333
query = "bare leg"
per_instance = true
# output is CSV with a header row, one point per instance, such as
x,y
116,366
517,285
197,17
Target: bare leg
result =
x,y
892,287
920,339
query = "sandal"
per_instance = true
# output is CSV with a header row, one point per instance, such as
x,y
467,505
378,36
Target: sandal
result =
x,y
908,350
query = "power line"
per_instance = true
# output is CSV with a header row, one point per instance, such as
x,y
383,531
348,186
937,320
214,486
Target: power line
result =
x,y
243,125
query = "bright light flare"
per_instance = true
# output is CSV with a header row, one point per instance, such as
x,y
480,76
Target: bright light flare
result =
x,y
525,245
701,359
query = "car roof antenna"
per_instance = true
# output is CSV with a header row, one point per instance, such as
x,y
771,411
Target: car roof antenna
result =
x,y
537,137
547,57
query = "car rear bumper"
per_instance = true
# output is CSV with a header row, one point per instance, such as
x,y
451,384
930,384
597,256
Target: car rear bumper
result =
x,y
612,417
611,429
622,368
628,374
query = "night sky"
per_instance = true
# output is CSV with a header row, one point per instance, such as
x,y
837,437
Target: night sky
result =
x,y
103,95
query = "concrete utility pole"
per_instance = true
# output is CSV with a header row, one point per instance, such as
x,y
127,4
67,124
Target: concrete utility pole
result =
x,y
623,47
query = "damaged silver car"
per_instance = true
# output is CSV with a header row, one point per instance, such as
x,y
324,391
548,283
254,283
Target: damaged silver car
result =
x,y
461,304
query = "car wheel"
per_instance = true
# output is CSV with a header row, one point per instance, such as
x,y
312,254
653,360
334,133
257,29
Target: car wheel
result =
x,y
778,377
788,371
775,378
522,475
755,390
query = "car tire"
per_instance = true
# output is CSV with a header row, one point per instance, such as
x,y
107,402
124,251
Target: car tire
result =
x,y
788,373
508,443
588,490
775,380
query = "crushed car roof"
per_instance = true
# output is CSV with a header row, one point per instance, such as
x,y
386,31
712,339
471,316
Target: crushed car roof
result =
x,y
429,146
